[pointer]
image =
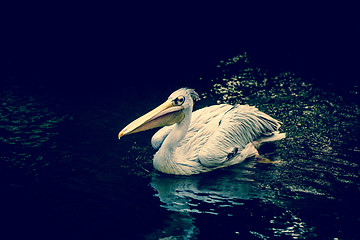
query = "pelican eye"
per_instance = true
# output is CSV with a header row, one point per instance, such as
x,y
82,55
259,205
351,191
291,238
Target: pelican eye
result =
x,y
179,100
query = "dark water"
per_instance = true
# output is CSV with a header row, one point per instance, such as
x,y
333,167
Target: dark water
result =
x,y
65,175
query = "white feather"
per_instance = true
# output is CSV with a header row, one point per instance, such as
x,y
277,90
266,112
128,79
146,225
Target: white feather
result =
x,y
212,137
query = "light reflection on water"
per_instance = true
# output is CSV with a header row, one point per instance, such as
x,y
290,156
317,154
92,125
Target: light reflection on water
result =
x,y
229,193
311,192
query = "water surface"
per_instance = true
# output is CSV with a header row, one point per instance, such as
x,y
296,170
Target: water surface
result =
x,y
65,174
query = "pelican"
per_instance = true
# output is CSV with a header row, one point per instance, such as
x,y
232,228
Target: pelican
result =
x,y
207,139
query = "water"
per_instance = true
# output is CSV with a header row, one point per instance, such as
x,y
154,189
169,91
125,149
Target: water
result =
x,y
65,175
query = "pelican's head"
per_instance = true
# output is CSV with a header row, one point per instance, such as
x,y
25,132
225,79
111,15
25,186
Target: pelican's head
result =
x,y
184,97
172,111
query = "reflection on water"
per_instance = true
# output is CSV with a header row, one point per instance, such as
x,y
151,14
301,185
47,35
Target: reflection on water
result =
x,y
228,193
311,192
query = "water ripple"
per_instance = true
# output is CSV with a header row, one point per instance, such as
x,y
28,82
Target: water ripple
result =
x,y
27,124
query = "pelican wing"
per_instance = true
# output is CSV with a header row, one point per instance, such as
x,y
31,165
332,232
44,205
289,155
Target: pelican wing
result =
x,y
238,126
203,122
199,119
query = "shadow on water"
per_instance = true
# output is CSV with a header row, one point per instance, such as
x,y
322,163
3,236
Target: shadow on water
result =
x,y
62,163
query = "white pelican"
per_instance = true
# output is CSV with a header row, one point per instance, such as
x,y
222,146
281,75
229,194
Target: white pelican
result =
x,y
209,138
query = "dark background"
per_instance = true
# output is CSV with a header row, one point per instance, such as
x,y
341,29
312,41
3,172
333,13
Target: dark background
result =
x,y
100,49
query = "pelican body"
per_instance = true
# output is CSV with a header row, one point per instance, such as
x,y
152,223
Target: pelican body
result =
x,y
207,139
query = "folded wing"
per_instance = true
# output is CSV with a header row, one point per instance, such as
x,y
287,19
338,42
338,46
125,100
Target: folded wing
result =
x,y
239,126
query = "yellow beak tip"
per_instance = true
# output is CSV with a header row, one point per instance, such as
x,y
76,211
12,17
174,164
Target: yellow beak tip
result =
x,y
121,134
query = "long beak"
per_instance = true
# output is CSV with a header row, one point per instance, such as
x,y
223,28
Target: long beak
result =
x,y
164,115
